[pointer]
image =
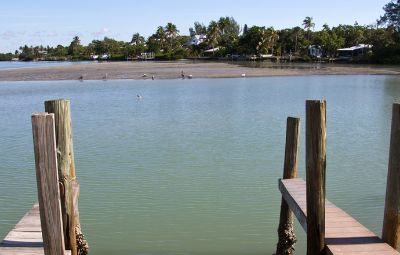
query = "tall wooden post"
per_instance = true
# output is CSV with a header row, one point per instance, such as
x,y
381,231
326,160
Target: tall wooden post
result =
x,y
47,182
315,174
391,220
66,169
286,235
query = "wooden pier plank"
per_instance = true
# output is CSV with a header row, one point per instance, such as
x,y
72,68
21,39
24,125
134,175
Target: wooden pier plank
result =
x,y
27,232
343,234
26,237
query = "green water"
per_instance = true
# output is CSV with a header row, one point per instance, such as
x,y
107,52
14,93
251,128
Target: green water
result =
x,y
192,167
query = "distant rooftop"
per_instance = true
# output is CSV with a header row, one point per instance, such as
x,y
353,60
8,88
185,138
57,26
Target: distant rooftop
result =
x,y
360,46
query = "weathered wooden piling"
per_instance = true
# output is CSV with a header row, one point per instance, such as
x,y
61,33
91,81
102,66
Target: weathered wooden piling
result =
x,y
69,185
391,220
286,236
315,174
343,234
44,142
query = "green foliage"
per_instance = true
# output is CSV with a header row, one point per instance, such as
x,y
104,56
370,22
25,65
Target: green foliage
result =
x,y
213,34
118,57
392,15
75,48
6,56
198,29
258,40
225,33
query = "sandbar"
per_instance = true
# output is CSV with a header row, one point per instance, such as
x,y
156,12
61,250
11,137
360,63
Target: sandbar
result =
x,y
173,70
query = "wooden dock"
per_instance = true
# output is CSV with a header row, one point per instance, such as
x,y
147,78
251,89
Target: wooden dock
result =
x,y
343,234
26,236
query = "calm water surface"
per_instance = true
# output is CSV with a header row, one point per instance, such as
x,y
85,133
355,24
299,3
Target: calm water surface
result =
x,y
31,64
192,167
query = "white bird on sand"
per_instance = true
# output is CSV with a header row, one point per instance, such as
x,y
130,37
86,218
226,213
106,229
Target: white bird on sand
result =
x,y
190,76
144,75
243,75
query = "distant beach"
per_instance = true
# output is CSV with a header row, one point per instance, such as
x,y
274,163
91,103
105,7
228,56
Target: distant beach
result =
x,y
173,70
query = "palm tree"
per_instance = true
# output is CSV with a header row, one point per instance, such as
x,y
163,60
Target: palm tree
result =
x,y
171,31
308,25
199,28
76,40
268,39
213,34
273,38
223,23
160,36
75,46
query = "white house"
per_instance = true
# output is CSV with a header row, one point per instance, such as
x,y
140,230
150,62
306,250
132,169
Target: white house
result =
x,y
196,40
354,51
105,56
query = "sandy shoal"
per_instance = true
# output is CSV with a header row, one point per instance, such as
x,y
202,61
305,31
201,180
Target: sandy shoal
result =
x,y
172,70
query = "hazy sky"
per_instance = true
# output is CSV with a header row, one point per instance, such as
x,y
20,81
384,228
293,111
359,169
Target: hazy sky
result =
x,y
52,22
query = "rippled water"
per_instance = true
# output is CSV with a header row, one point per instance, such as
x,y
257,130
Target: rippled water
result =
x,y
192,167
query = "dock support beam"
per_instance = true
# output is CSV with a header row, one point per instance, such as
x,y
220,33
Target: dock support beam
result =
x,y
391,220
74,239
286,235
315,174
44,142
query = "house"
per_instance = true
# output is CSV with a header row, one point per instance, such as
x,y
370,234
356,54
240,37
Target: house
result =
x,y
105,56
354,51
146,56
314,51
196,40
42,52
212,50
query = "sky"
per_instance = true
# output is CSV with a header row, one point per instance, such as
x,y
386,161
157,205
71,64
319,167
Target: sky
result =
x,y
53,22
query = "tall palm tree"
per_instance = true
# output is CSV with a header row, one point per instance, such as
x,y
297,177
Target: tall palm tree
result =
x,y
160,36
223,23
213,34
171,31
267,40
273,38
308,25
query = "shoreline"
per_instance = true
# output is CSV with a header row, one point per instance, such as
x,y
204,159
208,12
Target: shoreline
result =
x,y
172,70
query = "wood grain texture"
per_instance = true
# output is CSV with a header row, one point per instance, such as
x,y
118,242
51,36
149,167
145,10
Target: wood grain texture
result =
x,y
391,219
66,167
26,237
315,174
286,237
344,235
47,182
291,147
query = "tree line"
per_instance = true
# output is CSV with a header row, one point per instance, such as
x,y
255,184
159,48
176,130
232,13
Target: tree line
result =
x,y
225,37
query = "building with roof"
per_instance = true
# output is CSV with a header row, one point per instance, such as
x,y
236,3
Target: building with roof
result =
x,y
196,40
354,52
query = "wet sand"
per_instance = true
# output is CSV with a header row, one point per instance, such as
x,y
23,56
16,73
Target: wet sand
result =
x,y
172,70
